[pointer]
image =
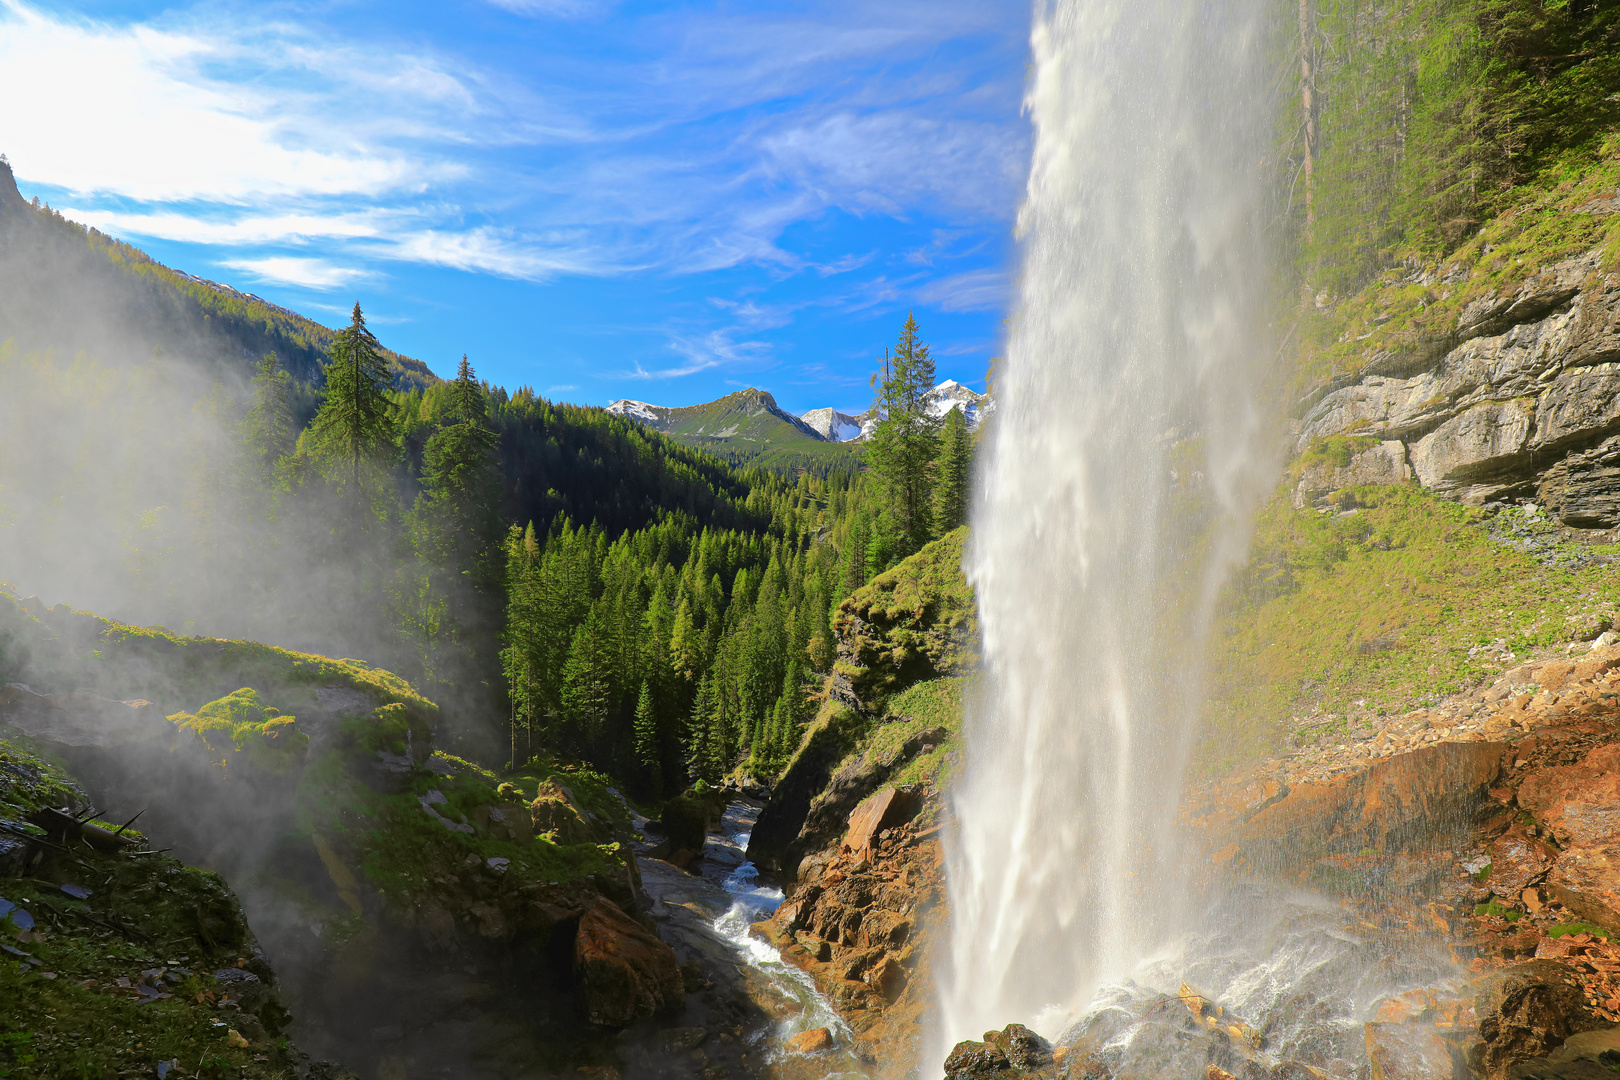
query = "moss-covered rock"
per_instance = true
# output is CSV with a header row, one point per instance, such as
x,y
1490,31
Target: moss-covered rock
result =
x,y
914,621
119,960
240,723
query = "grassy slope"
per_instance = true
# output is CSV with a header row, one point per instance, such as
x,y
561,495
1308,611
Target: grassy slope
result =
x,y
1344,615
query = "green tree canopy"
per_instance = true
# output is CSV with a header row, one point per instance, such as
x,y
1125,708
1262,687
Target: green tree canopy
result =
x,y
906,439
355,424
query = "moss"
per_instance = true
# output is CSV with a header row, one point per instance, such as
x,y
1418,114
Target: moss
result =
x,y
1498,910
1570,929
1395,314
937,703
914,621
1338,618
240,723
62,1012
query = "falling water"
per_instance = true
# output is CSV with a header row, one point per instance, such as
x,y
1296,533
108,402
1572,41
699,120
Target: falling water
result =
x,y
1124,457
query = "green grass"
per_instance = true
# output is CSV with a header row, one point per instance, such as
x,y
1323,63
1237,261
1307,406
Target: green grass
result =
x,y
1383,610
934,703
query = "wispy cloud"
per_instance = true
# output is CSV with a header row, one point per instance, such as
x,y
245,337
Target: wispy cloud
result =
x,y
975,290
305,273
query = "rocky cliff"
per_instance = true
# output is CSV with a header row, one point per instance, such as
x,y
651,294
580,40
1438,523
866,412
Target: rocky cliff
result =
x,y
1516,400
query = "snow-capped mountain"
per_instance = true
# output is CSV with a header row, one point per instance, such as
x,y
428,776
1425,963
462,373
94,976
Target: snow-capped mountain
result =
x,y
638,410
951,394
834,426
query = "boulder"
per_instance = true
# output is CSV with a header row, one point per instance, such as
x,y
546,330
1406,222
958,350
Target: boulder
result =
x,y
887,808
1519,859
1013,1053
685,823
1580,408
1579,803
1583,490
1407,1052
553,812
1526,1012
810,1042
626,973
1590,1055
80,719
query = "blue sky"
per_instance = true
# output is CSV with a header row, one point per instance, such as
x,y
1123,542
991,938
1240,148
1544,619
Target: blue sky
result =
x,y
597,199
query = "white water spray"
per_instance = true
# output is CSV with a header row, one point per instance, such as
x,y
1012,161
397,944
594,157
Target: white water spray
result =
x,y
1126,454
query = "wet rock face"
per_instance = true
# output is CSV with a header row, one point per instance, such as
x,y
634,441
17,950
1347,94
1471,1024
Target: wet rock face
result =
x,y
1398,802
625,971
1013,1053
1527,1012
1591,1055
1407,1052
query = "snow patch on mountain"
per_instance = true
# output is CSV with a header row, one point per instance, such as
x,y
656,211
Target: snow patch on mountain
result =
x,y
637,410
832,425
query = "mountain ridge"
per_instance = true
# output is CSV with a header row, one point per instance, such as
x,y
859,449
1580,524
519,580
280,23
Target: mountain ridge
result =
x,y
73,288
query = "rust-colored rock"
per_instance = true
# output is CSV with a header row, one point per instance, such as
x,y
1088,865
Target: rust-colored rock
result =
x,y
877,812
626,973
1527,1011
1579,803
1403,801
1519,859
810,1042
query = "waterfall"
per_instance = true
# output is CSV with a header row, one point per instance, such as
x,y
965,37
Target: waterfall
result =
x,y
1117,479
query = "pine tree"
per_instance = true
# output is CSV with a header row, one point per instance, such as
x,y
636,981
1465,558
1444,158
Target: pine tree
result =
x,y
268,429
458,513
953,474
905,441
355,424
646,732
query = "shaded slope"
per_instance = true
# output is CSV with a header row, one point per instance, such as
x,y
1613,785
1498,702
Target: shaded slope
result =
x,y
73,289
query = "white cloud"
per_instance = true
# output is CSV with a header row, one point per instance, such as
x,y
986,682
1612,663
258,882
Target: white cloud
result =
x,y
128,110
555,9
231,228
305,273
975,290
888,161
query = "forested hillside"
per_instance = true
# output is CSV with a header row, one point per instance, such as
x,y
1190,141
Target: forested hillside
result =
x,y
70,288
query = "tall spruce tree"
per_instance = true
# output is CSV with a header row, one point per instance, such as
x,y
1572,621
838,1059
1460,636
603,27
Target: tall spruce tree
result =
x,y
355,424
953,474
458,514
906,439
648,753
268,428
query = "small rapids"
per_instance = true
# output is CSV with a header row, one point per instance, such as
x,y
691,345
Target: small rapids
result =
x,y
796,1001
